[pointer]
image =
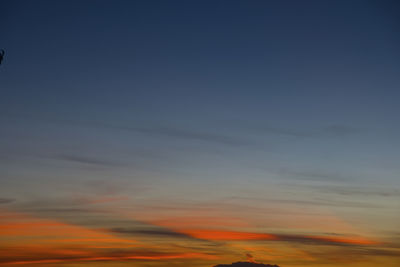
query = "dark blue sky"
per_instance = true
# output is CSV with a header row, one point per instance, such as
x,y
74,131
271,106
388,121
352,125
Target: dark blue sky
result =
x,y
201,90
242,59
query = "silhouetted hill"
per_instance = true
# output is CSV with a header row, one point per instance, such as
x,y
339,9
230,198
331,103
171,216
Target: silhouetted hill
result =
x,y
245,264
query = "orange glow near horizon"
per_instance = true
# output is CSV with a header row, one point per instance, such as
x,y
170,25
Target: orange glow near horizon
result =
x,y
235,235
34,240
227,235
17,225
121,258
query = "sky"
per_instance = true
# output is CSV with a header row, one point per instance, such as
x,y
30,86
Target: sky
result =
x,y
196,133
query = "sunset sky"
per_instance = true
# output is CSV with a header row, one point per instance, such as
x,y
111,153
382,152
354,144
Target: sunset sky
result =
x,y
196,133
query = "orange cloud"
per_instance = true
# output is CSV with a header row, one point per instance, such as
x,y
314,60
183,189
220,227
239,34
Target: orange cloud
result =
x,y
227,235
236,235
23,235
119,258
210,228
24,228
32,240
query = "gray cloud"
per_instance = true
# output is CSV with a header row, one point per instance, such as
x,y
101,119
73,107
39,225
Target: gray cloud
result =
x,y
169,131
334,130
379,252
319,240
282,131
148,129
186,134
361,191
329,202
86,160
314,201
6,200
339,130
313,175
65,210
150,232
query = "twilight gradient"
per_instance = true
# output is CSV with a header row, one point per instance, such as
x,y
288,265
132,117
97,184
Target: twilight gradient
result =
x,y
194,133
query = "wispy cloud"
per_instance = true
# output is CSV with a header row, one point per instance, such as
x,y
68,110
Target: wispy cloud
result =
x,y
333,130
6,200
88,160
309,239
150,232
312,175
359,191
316,202
339,130
42,241
181,133
149,129
104,257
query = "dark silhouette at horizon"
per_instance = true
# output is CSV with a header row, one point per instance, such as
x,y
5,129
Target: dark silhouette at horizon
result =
x,y
245,264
